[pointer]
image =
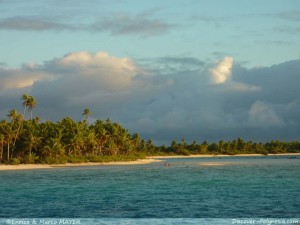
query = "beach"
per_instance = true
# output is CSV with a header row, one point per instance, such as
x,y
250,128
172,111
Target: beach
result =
x,y
149,159
51,166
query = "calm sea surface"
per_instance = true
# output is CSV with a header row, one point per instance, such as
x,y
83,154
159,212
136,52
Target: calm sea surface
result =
x,y
226,187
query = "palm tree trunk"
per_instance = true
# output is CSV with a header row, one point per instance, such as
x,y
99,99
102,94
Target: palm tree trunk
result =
x,y
8,150
30,149
2,143
24,112
16,136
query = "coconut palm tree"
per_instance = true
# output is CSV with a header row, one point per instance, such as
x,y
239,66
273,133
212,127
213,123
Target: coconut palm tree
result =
x,y
90,142
102,136
53,148
31,103
86,113
32,141
15,127
8,134
13,115
112,147
136,140
25,98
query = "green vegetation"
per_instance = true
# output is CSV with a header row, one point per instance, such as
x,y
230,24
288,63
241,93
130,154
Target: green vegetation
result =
x,y
237,146
32,141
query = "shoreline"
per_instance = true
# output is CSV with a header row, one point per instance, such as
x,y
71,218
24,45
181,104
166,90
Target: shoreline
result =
x,y
56,166
149,159
212,156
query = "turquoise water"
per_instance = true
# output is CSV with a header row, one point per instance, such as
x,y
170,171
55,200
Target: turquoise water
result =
x,y
227,187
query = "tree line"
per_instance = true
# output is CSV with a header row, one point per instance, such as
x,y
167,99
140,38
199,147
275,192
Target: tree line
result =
x,y
233,147
32,141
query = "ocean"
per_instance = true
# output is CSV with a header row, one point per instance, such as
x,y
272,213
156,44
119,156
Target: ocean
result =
x,y
214,190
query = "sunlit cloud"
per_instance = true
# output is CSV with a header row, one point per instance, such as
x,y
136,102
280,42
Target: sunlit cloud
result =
x,y
222,71
20,78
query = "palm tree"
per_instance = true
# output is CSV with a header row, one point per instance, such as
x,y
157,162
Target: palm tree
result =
x,y
112,147
31,103
8,134
15,126
13,115
86,113
136,140
25,98
76,144
53,146
9,137
102,136
90,142
33,141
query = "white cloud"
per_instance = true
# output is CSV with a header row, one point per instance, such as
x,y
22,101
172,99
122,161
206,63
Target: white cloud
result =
x,y
222,71
20,78
108,72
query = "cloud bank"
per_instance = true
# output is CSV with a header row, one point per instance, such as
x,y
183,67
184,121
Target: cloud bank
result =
x,y
211,101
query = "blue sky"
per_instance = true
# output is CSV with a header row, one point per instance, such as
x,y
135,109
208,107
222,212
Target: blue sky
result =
x,y
174,66
254,32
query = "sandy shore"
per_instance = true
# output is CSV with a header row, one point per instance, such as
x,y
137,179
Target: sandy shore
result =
x,y
45,166
150,159
206,156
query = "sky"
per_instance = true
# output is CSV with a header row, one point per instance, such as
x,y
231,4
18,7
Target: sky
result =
x,y
167,69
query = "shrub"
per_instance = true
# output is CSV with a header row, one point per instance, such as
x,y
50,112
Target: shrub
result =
x,y
14,161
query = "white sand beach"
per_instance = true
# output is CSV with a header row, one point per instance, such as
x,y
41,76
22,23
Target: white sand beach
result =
x,y
46,166
149,159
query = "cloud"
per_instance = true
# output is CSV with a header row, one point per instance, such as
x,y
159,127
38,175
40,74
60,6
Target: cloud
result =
x,y
278,42
119,24
32,24
287,15
19,78
295,30
222,71
125,24
190,61
262,115
211,101
172,64
107,72
81,75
